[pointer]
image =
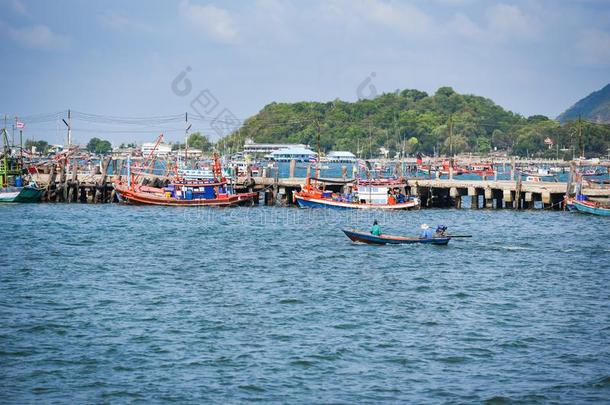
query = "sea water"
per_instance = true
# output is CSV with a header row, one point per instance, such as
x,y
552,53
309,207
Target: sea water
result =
x,y
113,303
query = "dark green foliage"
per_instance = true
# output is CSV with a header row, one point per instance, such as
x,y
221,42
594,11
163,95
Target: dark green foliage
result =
x,y
41,146
198,141
97,145
412,121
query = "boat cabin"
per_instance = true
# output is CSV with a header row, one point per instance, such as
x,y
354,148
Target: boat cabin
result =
x,y
198,189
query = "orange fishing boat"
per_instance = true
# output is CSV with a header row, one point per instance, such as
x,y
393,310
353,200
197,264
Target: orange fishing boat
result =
x,y
214,191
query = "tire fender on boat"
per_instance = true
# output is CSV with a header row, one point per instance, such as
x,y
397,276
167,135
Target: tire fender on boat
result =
x,y
249,182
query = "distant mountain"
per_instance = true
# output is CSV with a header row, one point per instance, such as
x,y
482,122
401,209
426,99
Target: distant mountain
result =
x,y
412,121
595,107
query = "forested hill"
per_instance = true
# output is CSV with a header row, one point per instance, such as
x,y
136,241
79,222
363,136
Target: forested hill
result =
x,y
414,121
595,107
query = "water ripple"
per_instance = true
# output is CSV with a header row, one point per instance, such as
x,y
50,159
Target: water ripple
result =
x,y
153,304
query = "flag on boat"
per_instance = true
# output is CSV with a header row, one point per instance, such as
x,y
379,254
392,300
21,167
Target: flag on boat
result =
x,y
19,125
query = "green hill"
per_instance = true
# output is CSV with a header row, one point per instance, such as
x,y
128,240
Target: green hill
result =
x,y
595,107
412,121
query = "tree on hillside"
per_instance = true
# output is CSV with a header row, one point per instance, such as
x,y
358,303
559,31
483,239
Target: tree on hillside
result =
x,y
386,121
411,145
198,141
501,140
41,146
97,145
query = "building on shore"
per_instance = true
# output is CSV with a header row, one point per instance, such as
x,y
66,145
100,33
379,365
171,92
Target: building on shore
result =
x,y
252,148
163,149
297,154
341,157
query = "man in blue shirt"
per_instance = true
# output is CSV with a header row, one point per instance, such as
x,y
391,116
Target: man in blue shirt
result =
x,y
426,232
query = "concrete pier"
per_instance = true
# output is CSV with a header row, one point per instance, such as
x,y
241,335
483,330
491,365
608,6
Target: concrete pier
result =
x,y
446,192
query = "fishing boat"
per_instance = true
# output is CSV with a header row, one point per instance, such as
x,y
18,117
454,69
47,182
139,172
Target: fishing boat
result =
x,y
535,178
183,191
588,207
481,169
12,179
368,238
26,194
443,170
365,195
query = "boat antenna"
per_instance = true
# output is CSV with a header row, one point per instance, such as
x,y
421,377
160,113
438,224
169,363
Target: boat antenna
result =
x,y
317,172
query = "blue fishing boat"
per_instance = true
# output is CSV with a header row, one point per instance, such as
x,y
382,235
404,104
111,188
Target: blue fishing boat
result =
x,y
589,207
367,237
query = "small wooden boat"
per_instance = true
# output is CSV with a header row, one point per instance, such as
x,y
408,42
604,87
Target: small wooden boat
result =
x,y
28,194
367,237
589,207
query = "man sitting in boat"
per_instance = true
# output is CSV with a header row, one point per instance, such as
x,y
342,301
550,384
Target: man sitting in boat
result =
x,y
426,232
400,197
441,231
376,229
391,198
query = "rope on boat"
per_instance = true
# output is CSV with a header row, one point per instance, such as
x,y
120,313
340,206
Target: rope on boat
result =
x,y
553,205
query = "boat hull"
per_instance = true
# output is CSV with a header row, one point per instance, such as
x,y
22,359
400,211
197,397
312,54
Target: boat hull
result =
x,y
128,196
310,202
25,194
589,208
365,237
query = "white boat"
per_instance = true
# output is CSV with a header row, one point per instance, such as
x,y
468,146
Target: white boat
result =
x,y
297,154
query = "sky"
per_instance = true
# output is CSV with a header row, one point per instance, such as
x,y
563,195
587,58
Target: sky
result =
x,y
129,70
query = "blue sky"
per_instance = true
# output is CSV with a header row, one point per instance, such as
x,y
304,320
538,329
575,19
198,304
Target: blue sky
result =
x,y
120,58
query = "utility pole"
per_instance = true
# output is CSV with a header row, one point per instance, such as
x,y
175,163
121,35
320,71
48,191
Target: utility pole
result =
x,y
450,129
186,137
69,125
581,142
69,128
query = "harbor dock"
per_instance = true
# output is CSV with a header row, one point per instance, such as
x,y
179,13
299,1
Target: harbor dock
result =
x,y
66,183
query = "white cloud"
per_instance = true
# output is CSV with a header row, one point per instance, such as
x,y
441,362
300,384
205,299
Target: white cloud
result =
x,y
594,47
36,37
462,25
509,22
117,21
401,17
214,21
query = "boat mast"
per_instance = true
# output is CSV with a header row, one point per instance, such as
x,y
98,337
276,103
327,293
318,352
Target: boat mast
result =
x,y
149,159
317,172
4,169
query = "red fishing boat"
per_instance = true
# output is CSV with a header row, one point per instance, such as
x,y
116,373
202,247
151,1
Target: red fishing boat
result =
x,y
182,191
442,170
482,169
